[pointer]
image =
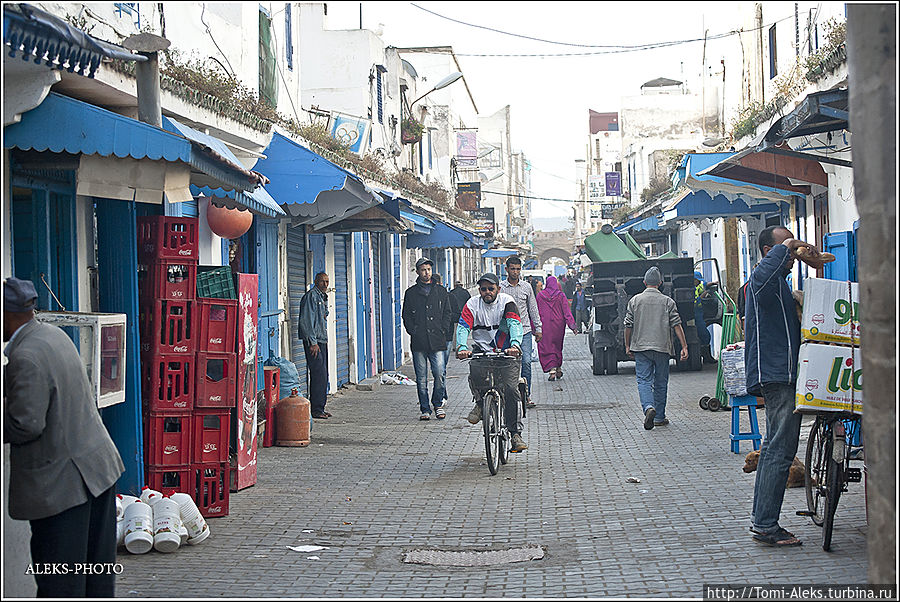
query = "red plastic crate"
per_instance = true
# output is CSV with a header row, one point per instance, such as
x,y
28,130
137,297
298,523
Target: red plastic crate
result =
x,y
272,389
168,327
166,237
216,375
168,382
218,325
172,279
171,479
211,492
212,430
167,439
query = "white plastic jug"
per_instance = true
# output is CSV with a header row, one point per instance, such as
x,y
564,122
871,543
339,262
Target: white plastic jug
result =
x,y
166,520
148,494
138,528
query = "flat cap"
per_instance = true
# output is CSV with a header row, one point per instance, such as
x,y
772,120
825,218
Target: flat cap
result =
x,y
18,295
422,261
490,277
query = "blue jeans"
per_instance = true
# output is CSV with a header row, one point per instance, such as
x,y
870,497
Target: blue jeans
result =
x,y
437,359
527,352
702,329
775,455
652,371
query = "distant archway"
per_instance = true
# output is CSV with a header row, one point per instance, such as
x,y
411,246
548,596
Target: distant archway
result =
x,y
555,252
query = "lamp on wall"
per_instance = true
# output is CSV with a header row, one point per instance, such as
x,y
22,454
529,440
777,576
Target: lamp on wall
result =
x,y
438,86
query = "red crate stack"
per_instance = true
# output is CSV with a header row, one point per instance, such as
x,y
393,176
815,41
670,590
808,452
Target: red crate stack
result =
x,y
167,277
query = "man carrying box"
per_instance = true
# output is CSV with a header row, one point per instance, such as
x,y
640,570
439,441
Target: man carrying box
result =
x,y
770,355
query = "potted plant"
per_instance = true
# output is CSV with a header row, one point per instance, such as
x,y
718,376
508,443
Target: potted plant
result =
x,y
410,130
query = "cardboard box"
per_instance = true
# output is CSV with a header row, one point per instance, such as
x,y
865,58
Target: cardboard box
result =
x,y
829,379
830,311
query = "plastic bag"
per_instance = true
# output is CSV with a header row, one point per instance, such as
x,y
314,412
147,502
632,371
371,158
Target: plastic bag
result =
x,y
289,378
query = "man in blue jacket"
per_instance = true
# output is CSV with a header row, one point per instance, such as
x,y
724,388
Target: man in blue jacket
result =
x,y
770,355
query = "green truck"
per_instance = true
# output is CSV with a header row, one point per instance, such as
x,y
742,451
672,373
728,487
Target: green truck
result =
x,y
617,274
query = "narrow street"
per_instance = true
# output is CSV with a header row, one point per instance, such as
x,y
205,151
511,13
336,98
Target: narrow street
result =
x,y
376,483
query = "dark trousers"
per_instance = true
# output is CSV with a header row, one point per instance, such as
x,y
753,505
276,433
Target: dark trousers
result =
x,y
317,369
80,540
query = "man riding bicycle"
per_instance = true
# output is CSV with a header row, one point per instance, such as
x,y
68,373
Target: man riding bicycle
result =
x,y
493,319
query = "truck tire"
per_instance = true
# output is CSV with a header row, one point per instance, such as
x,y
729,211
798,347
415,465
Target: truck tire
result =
x,y
612,362
597,365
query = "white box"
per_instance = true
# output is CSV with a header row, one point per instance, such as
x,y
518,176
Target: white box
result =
x,y
829,379
830,311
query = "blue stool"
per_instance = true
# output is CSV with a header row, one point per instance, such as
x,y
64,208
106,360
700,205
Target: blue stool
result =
x,y
737,402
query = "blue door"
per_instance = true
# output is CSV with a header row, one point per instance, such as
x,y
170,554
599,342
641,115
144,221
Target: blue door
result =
x,y
267,268
363,304
296,274
342,308
839,244
396,299
378,269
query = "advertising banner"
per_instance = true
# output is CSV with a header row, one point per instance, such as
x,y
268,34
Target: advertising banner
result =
x,y
468,195
245,425
596,210
829,378
613,183
608,210
467,148
352,131
596,188
830,311
483,221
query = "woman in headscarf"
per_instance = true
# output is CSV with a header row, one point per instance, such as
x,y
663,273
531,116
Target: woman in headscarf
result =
x,y
555,315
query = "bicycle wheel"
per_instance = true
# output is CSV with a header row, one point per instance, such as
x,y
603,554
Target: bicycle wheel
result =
x,y
814,479
491,420
834,483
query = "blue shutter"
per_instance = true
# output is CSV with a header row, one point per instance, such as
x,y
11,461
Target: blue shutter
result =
x,y
342,309
288,37
430,152
839,244
296,274
376,302
397,296
380,95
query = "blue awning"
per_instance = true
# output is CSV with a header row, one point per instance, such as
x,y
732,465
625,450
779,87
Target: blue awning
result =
x,y
444,236
211,157
310,188
258,201
498,253
646,224
692,173
627,224
401,209
530,264
698,205
34,33
62,124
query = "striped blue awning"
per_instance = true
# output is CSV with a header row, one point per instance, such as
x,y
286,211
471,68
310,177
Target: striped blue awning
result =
x,y
91,130
258,201
493,253
444,236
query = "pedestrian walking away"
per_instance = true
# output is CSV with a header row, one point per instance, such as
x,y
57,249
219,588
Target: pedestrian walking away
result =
x,y
555,314
649,320
581,309
771,354
427,317
63,463
493,320
313,331
529,316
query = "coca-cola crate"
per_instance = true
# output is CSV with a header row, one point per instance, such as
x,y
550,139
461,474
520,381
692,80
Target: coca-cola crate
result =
x,y
172,279
216,375
218,325
211,489
167,439
171,479
212,430
168,326
272,389
168,382
166,237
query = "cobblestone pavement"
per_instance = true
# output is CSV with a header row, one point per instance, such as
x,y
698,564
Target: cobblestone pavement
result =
x,y
377,482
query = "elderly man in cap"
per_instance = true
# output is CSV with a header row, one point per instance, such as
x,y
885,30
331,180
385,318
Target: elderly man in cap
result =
x,y
428,318
649,320
492,317
63,464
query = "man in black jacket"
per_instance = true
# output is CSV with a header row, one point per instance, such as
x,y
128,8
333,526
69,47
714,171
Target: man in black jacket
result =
x,y
427,317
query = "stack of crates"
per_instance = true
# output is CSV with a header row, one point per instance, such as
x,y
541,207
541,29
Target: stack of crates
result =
x,y
187,366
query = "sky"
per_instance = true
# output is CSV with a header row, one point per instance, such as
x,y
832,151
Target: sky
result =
x,y
549,96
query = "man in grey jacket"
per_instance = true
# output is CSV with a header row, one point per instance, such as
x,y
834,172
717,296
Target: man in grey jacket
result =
x,y
649,320
63,463
524,295
313,331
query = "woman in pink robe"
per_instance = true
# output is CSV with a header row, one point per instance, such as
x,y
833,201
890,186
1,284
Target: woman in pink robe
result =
x,y
555,315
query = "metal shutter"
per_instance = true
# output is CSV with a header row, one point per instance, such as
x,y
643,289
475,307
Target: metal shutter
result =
x,y
398,295
296,271
376,279
342,308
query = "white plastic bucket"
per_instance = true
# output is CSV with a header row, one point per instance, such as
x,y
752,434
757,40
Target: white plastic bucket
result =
x,y
138,528
166,520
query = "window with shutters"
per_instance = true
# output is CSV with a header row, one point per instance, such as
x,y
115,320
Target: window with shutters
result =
x,y
773,53
268,84
430,150
288,37
380,70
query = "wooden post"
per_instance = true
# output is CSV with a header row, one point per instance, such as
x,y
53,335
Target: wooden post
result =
x,y
732,259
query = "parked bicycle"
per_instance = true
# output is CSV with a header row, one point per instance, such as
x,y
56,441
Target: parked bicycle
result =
x,y
496,435
835,441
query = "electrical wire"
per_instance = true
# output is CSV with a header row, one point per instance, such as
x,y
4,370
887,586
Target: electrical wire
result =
x,y
618,48
541,198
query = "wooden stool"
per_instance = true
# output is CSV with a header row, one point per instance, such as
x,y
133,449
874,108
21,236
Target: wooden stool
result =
x,y
737,402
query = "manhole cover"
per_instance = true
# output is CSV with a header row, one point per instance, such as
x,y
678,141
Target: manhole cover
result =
x,y
474,558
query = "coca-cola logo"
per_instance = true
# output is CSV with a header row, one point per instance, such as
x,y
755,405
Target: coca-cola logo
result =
x,y
180,349
215,398
111,339
186,252
180,404
217,341
215,509
210,447
170,449
178,293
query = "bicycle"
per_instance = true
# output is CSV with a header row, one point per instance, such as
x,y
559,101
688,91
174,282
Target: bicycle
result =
x,y
835,440
493,414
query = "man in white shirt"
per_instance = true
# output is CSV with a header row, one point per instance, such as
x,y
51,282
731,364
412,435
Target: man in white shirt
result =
x,y
523,293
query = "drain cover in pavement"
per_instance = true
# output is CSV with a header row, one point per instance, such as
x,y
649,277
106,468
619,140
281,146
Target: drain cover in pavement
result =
x,y
474,558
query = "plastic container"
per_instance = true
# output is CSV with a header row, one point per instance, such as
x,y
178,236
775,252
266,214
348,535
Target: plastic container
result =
x,y
147,494
215,282
166,521
193,521
138,537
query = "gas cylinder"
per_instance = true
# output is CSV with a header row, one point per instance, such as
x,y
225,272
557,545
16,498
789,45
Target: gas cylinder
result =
x,y
292,421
